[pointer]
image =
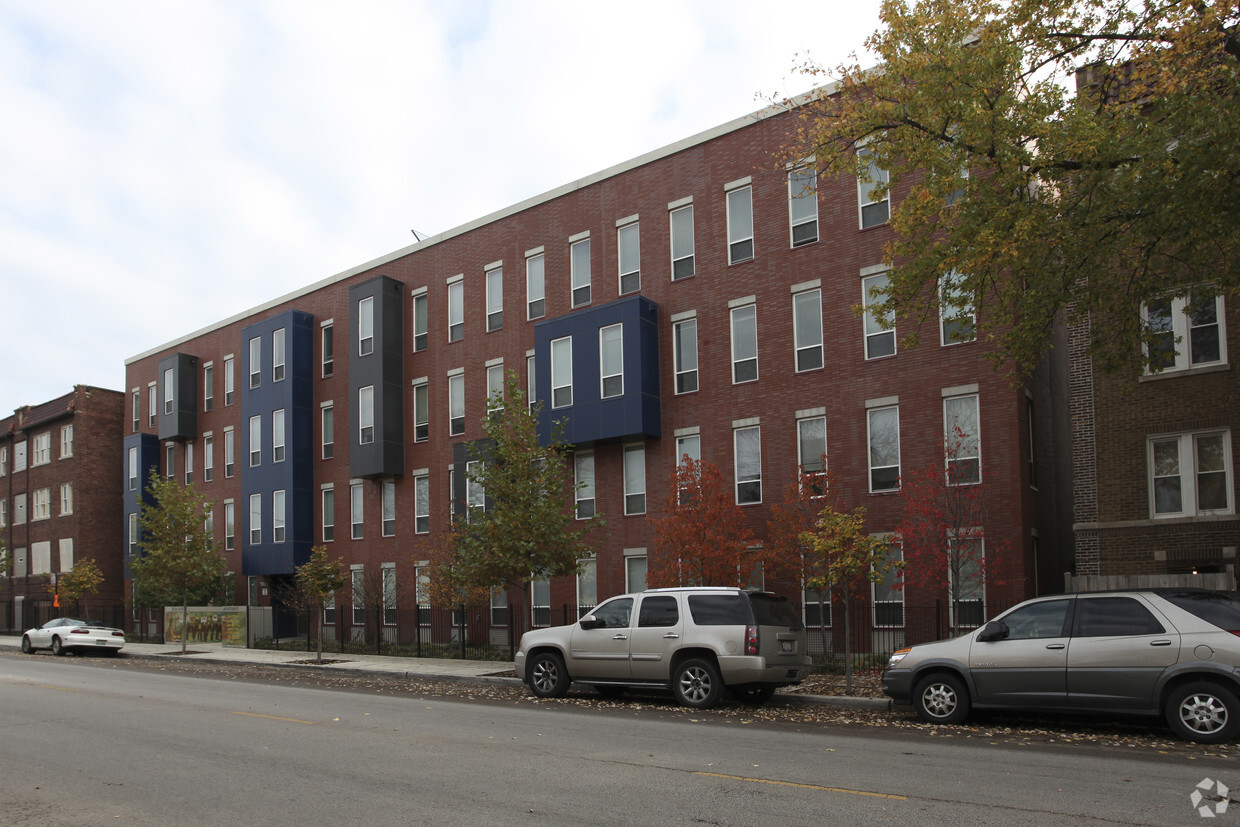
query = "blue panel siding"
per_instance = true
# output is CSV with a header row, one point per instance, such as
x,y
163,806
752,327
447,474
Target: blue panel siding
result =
x,y
132,501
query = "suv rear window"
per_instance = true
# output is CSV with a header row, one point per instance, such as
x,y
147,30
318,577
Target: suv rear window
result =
x,y
719,609
771,610
1220,608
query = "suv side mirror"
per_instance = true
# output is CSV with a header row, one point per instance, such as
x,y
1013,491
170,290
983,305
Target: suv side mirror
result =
x,y
591,623
994,630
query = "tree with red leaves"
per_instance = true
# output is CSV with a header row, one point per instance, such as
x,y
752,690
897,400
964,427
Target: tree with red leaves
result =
x,y
702,540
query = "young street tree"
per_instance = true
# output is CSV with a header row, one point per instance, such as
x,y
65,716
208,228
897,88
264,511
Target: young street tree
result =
x,y
318,579
177,561
1023,200
82,580
701,540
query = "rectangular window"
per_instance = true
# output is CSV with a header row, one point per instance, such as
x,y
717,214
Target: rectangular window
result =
x,y
208,386
635,573
66,441
495,387
611,361
328,496
366,326
883,428
170,389
366,415
327,338
230,525
744,343
152,407
1190,474
803,206
535,287
256,519
456,404
42,450
531,390
499,608
475,490
807,324
540,603
817,608
579,264
328,416
495,299
19,509
635,479
456,310
329,610
888,592
356,511
256,441
583,479
685,355
230,380
967,597
66,498
688,447
41,504
421,323
357,583
136,404
421,412
740,225
256,362
208,458
880,332
962,440
389,594
682,242
872,197
277,435
277,355
133,469
562,372
628,244
812,450
957,317
189,462
389,508
747,444
4,513
170,459
1185,332
277,516
587,585
422,504
229,452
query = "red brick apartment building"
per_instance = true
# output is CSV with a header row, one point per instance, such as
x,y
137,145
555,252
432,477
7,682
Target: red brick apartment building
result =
x,y
60,502
697,299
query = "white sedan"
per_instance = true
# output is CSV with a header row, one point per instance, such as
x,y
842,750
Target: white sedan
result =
x,y
66,634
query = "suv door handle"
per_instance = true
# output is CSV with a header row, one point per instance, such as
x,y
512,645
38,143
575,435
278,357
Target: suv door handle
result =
x,y
671,636
620,637
1160,643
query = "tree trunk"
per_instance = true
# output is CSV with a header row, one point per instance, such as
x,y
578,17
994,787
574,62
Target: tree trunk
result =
x,y
318,653
184,623
848,688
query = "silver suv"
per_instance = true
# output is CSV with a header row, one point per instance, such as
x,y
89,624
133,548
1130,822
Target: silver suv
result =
x,y
694,641
1169,651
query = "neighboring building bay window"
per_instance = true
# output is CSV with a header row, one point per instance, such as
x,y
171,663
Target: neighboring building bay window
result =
x,y
1185,332
1190,474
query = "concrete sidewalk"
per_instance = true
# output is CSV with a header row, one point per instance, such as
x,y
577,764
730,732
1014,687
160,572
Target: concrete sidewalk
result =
x,y
444,669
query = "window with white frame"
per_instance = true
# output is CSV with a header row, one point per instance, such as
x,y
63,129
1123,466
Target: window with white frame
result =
x,y
685,355
366,415
366,326
327,496
634,572
967,590
803,206
389,594
747,449
41,451
962,440
421,412
41,504
682,242
689,446
170,391
812,451
744,343
66,441
957,315
170,459
495,387
208,520
256,441
357,514
587,585
562,372
499,607
230,525
540,602
456,404
230,380
277,435
535,287
327,341
475,489
152,408
208,386
277,355
495,298
579,266
456,310
583,484
629,252
327,415
19,509
807,329
208,457
4,513
1185,332
888,590
135,403
256,362
634,479
531,387
277,516
817,607
422,504
883,435
421,321
1190,474
66,498
740,225
189,462
880,332
229,451
389,508
256,519
611,361
329,610
357,593
873,200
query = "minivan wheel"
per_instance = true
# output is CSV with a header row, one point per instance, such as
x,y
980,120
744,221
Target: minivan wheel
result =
x,y
548,677
1204,712
697,684
941,699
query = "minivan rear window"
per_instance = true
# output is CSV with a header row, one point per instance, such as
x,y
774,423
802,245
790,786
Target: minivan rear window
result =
x,y
772,610
719,609
1220,608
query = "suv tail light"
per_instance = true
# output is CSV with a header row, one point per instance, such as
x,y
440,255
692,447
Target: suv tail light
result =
x,y
751,640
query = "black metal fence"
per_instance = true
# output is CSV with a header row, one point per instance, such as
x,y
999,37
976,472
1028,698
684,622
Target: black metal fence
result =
x,y
20,615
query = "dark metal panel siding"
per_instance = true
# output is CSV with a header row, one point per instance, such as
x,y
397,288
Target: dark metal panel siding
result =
x,y
182,423
384,369
132,499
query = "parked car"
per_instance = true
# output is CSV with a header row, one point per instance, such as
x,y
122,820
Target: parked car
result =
x,y
69,634
694,641
1168,651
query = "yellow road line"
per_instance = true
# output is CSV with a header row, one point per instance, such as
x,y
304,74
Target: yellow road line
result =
x,y
802,786
274,718
61,688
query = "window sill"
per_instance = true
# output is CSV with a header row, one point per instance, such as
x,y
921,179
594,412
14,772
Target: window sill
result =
x,y
1174,372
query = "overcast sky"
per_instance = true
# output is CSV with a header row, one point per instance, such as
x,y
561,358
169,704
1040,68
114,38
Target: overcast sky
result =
x,y
166,165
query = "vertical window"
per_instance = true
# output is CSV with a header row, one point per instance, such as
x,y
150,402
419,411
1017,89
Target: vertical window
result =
x,y
1185,332
256,519
66,498
635,573
803,206
495,387
328,416
421,322
540,603
277,435
1190,474
136,403
208,387
957,319
189,462
366,326
152,405
888,592
535,287
587,585
880,332
421,504
366,415
356,511
66,441
277,355
635,479
807,324
962,440
884,445
19,456
329,610
747,443
169,391
42,449
682,242
740,225
229,452
688,447
685,355
583,479
562,372
229,380
456,310
389,594
327,337
421,412
208,458
357,584
329,514
133,469
256,362
170,460
41,504
475,489
256,441
277,516
812,449
628,243
456,404
817,607
499,608
967,597
611,361
531,389
579,264
744,343
133,534
230,525
872,196
389,508
495,299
